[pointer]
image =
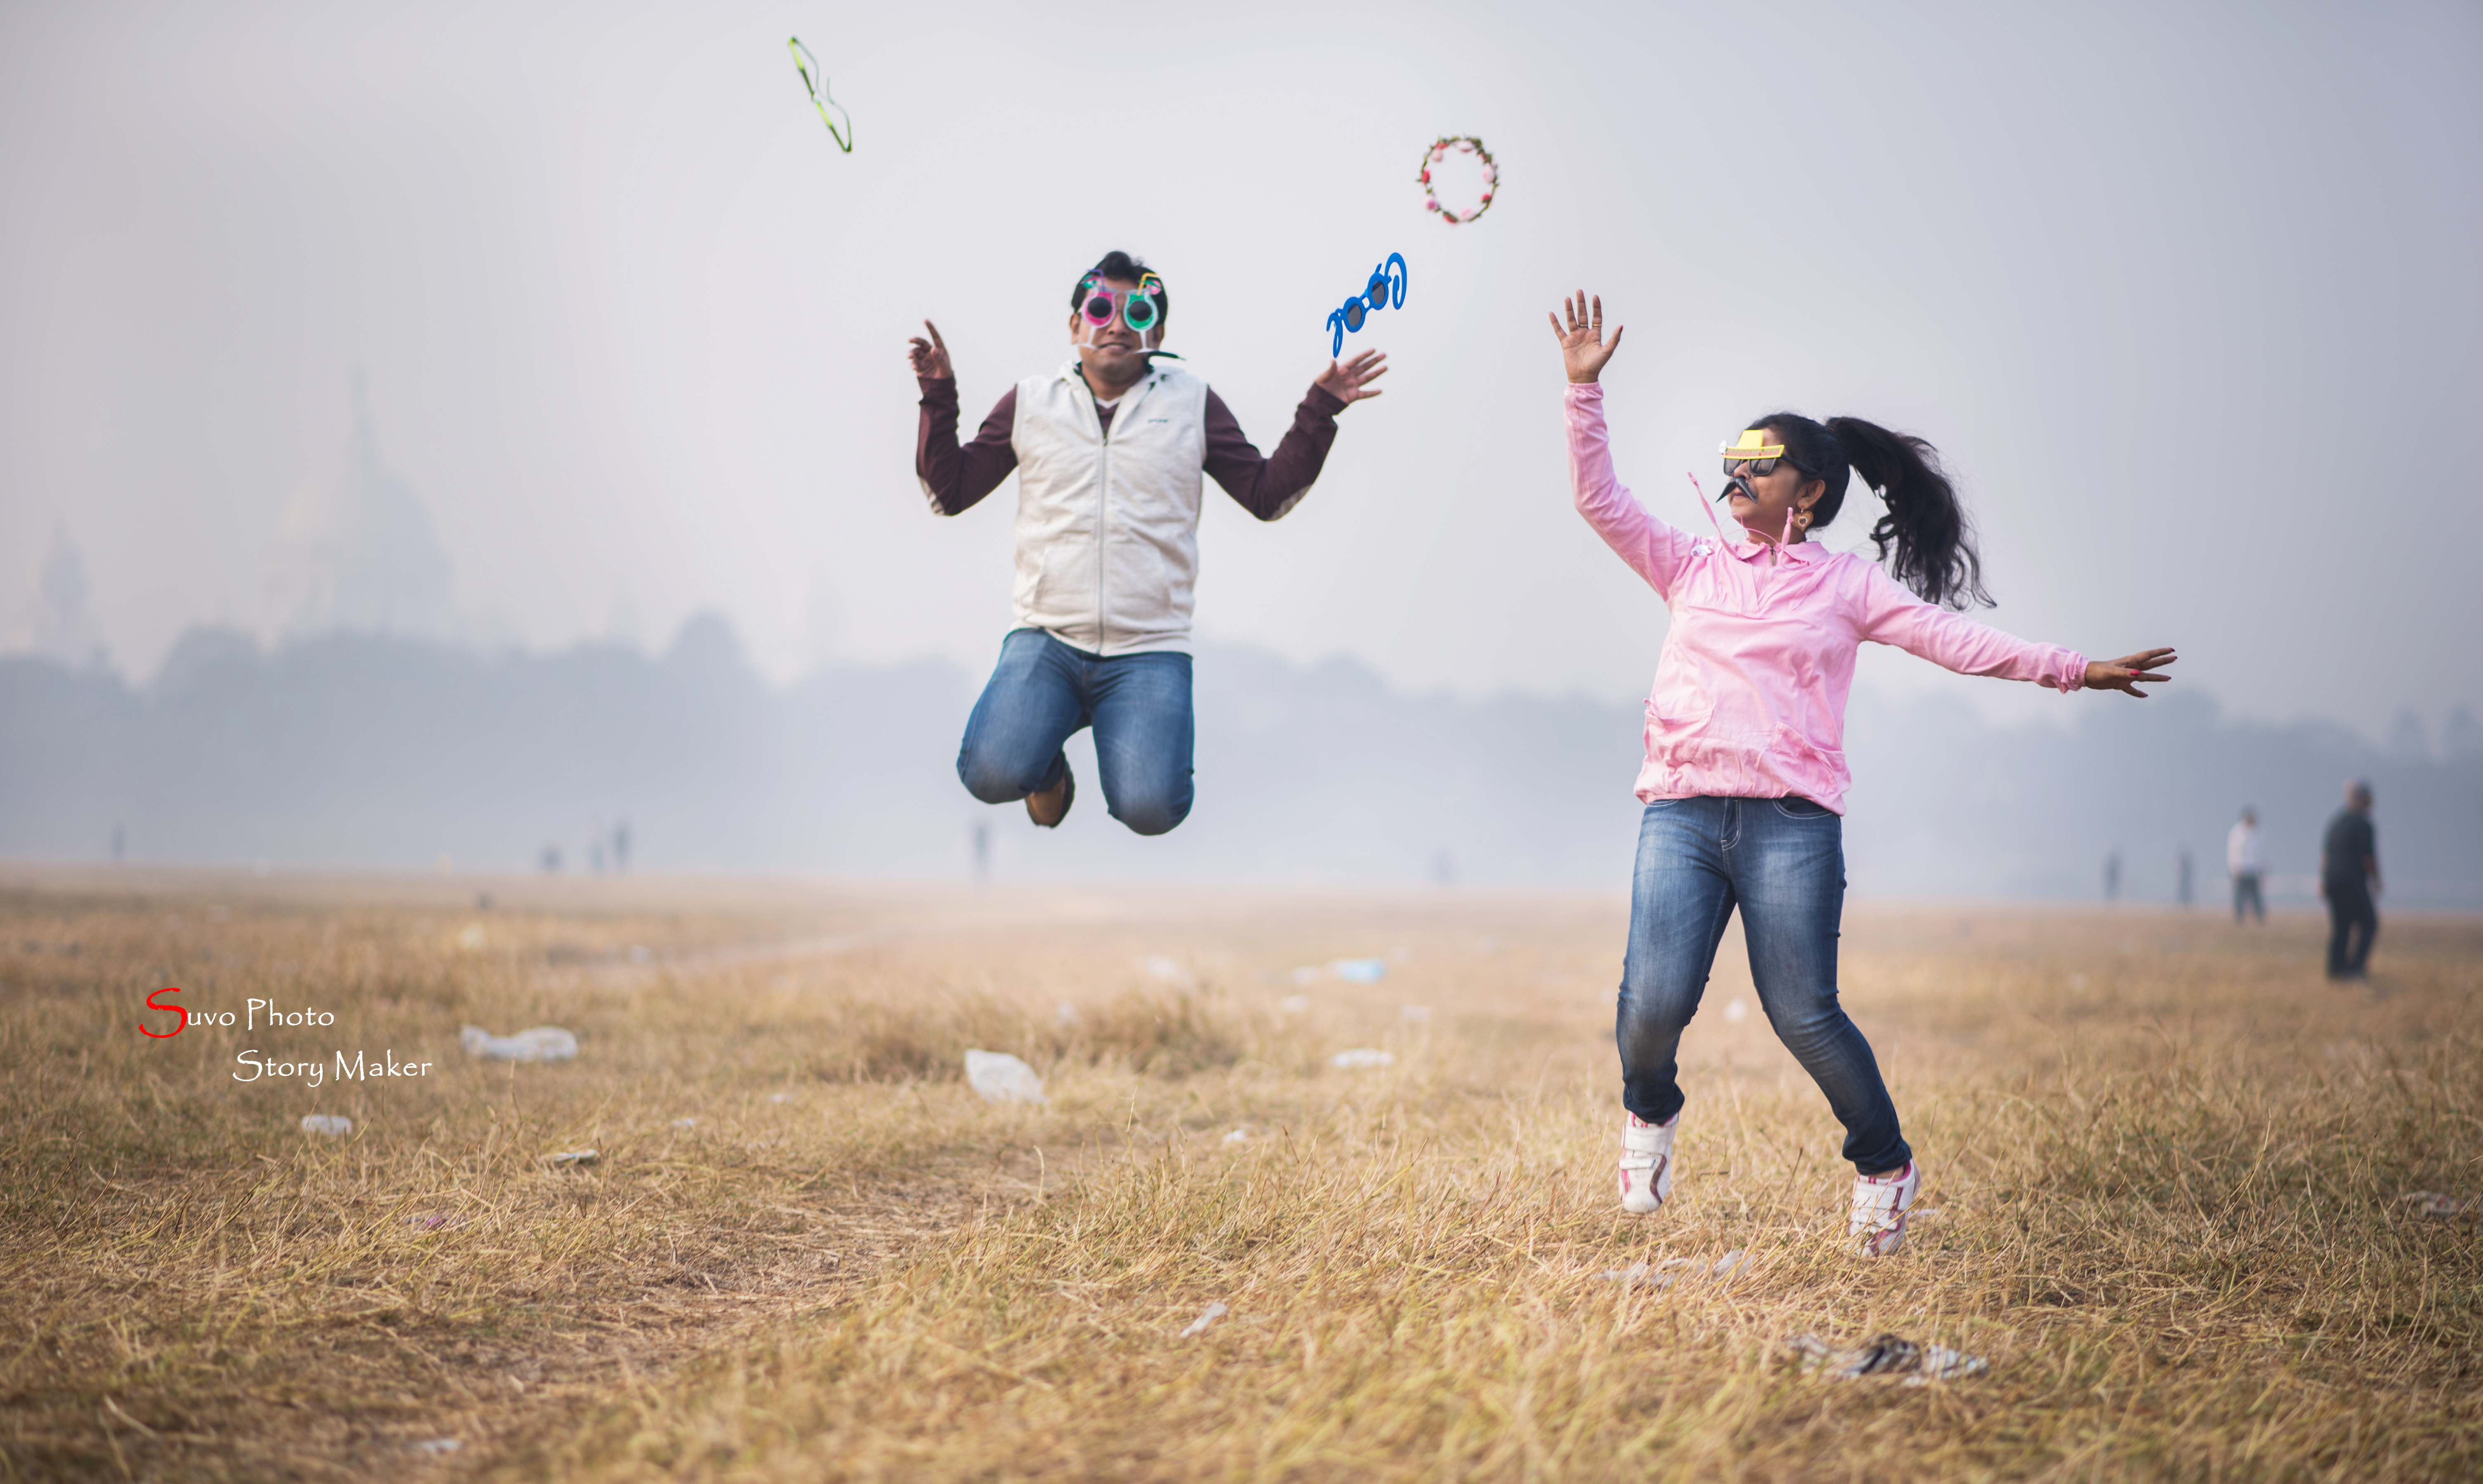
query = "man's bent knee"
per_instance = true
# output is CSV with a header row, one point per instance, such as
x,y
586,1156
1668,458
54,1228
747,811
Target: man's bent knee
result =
x,y
991,780
1153,814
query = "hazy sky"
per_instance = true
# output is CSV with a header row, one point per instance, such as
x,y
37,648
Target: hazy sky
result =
x,y
2187,294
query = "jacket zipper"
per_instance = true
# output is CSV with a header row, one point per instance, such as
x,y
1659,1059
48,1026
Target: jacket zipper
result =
x,y
1104,488
1103,516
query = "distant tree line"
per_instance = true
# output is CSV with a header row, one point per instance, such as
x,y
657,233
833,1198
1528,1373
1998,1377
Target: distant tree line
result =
x,y
367,750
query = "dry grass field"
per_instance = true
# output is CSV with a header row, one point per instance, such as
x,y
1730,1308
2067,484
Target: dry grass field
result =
x,y
2165,1176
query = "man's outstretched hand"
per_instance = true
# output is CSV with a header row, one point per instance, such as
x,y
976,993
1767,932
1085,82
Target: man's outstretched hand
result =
x,y
930,356
1348,382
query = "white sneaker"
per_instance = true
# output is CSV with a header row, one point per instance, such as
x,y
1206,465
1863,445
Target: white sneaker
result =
x,y
1646,1163
1878,1226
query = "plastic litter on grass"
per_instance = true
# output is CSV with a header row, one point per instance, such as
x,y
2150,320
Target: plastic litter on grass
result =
x,y
1887,1355
1663,1274
1361,1057
1642,1275
1360,970
1213,1313
570,1158
331,1125
1001,1077
540,1044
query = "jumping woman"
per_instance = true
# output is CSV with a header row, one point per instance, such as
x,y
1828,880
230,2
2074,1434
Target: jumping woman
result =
x,y
1745,776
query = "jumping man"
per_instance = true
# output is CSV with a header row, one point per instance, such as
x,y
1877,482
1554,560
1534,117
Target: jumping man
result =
x,y
1108,450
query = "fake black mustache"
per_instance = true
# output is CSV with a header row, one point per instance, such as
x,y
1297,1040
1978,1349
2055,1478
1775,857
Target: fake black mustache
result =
x,y
1737,482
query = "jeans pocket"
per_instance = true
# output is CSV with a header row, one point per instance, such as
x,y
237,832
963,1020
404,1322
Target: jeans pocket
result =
x,y
1796,806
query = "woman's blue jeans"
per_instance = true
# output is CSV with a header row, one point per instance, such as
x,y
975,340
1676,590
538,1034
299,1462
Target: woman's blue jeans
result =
x,y
1782,861
1044,690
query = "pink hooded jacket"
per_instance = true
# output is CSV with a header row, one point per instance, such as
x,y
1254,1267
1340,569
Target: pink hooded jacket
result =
x,y
1749,696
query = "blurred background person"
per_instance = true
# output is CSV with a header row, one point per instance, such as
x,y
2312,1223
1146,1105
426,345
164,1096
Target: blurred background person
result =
x,y
2246,861
2349,879
2182,874
2112,876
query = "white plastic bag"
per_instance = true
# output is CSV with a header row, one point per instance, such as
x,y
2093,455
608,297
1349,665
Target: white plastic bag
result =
x,y
1361,1057
542,1043
333,1125
1360,970
1001,1077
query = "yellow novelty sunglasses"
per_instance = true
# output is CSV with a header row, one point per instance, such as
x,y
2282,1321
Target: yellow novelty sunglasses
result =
x,y
1753,449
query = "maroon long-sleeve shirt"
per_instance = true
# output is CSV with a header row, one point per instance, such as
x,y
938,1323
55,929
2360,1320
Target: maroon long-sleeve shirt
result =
x,y
1265,487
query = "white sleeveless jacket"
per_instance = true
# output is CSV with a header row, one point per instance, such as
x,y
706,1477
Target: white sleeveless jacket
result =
x,y
1107,527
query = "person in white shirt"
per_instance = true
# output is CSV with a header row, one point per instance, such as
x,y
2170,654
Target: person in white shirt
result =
x,y
2242,858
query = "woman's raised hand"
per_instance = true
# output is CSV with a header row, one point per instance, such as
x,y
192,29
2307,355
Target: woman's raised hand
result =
x,y
2125,674
1583,347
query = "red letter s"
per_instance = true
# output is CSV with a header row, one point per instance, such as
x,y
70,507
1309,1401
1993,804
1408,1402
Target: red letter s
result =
x,y
176,1009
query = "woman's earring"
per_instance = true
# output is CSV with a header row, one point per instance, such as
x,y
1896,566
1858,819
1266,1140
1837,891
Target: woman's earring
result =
x,y
1804,516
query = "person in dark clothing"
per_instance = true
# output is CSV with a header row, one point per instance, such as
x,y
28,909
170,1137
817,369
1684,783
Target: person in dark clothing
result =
x,y
2349,879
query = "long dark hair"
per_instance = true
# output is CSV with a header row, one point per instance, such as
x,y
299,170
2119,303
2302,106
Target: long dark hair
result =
x,y
1923,534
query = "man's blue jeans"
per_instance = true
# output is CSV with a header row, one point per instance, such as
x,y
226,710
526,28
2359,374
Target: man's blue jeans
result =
x,y
1782,861
1044,690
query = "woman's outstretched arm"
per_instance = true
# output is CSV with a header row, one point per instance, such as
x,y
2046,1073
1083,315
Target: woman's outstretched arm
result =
x,y
1952,641
1654,550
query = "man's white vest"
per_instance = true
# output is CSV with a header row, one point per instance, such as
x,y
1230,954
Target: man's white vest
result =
x,y
1107,528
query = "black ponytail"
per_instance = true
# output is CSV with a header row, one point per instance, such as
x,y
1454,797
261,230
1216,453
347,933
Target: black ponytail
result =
x,y
1923,536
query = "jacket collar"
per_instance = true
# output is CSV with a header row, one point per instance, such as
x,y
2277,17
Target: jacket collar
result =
x,y
1074,372
1749,550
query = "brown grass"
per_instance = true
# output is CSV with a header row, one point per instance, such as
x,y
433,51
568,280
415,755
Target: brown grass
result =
x,y
2166,1164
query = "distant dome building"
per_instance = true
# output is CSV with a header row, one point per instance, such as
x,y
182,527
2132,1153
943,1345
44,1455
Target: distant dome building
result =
x,y
65,623
361,554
